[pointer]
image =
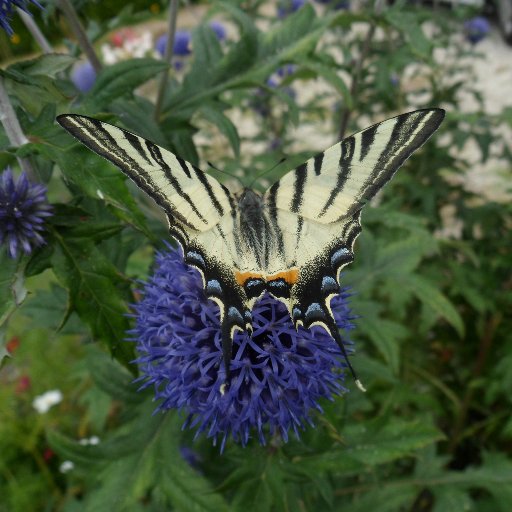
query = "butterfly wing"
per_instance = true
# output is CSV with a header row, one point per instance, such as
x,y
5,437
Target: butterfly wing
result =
x,y
202,213
318,207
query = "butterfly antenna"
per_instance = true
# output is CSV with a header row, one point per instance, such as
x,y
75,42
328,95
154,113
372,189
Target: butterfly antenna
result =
x,y
339,341
266,172
225,172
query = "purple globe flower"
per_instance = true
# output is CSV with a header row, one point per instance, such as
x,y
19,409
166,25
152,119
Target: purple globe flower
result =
x,y
476,29
23,210
7,7
182,40
219,30
83,77
287,7
278,375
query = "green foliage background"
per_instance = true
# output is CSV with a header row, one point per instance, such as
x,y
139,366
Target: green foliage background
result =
x,y
433,336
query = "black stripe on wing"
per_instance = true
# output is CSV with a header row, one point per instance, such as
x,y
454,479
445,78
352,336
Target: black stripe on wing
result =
x,y
347,153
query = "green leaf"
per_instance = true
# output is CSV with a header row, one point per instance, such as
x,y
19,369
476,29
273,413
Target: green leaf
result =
x,y
97,291
407,23
141,460
427,293
12,285
367,447
289,32
213,113
121,79
49,65
113,379
386,336
331,77
101,181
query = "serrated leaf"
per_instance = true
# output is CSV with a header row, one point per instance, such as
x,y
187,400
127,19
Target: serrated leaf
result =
x,y
95,291
120,79
370,447
142,459
100,180
113,379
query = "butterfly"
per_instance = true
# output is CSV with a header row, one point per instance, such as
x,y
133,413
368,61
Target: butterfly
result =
x,y
292,241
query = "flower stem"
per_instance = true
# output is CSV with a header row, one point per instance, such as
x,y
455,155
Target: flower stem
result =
x,y
356,76
35,31
486,341
13,129
79,32
169,47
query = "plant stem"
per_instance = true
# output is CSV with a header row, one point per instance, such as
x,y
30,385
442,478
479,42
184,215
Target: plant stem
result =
x,y
13,129
35,31
356,76
79,32
483,353
169,47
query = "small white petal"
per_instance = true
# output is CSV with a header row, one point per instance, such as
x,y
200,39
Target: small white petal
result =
x,y
100,194
66,466
44,402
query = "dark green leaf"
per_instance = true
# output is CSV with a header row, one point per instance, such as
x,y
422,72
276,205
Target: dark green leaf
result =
x,y
121,79
97,292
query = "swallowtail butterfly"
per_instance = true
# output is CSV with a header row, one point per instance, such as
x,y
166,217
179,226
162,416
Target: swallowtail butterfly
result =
x,y
292,241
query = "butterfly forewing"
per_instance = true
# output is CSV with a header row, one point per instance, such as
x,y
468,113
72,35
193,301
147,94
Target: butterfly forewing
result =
x,y
183,191
338,182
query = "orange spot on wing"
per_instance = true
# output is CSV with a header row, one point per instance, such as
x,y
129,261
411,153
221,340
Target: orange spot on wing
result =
x,y
242,277
289,276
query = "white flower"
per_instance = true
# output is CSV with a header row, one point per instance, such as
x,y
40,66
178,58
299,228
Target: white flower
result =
x,y
92,441
42,403
66,466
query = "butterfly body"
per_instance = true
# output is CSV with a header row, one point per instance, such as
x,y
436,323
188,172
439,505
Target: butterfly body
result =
x,y
292,241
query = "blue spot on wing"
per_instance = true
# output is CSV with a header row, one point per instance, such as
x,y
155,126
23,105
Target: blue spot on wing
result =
x,y
340,256
315,310
213,286
234,315
329,284
195,258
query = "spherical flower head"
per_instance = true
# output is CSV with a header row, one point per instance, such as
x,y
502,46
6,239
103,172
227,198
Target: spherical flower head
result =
x,y
182,43
219,30
476,29
278,375
7,8
83,77
23,210
287,7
